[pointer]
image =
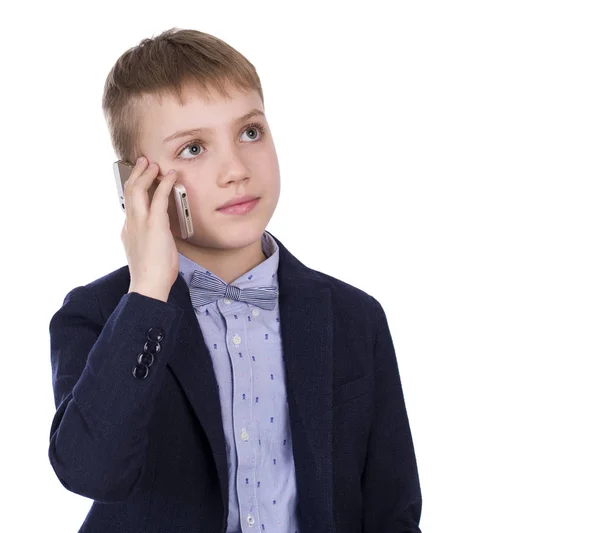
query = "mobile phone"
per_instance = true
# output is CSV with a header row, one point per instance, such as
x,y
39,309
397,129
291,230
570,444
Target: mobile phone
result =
x,y
122,170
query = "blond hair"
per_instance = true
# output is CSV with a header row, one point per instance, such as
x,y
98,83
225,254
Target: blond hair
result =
x,y
165,65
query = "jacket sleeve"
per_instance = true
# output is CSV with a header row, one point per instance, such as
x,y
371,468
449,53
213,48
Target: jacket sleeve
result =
x,y
98,436
390,482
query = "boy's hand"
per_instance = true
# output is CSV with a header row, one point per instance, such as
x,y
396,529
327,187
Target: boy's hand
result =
x,y
149,244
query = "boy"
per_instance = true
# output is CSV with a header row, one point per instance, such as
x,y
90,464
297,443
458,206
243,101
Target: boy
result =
x,y
217,384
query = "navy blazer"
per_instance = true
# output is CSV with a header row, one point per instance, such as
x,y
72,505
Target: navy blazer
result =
x,y
151,452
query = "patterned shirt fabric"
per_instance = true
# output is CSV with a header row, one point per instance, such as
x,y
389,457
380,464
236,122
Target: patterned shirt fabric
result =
x,y
244,343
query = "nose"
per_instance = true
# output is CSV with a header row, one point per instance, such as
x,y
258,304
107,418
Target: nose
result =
x,y
235,172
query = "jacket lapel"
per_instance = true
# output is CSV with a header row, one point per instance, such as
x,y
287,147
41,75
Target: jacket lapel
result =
x,y
306,336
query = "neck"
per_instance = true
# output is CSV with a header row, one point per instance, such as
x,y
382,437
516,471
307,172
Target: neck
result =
x,y
227,264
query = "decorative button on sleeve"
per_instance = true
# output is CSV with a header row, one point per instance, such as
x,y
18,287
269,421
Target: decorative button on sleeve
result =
x,y
155,334
140,371
151,348
146,359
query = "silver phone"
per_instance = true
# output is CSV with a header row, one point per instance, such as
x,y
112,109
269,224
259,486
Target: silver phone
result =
x,y
122,170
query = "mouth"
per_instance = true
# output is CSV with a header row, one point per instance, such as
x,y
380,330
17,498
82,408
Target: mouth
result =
x,y
240,208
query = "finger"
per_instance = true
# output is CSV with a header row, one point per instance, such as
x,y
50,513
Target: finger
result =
x,y
138,193
160,202
138,169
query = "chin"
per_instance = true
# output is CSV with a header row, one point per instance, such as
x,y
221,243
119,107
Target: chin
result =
x,y
242,235
228,236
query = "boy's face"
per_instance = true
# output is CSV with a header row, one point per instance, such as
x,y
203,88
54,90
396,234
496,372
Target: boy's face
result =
x,y
226,160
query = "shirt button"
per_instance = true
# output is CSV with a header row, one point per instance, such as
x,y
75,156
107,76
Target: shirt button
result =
x,y
250,519
244,434
227,300
255,312
237,340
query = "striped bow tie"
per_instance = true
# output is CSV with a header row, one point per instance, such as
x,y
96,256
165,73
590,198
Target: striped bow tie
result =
x,y
205,289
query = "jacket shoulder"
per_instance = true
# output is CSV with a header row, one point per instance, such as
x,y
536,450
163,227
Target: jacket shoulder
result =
x,y
346,294
107,290
115,281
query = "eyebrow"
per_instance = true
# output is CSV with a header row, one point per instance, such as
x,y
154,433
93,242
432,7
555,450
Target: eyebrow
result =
x,y
195,131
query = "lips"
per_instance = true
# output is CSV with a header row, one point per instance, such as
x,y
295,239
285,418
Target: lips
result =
x,y
238,200
239,209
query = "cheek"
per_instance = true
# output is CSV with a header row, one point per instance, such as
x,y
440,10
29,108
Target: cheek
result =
x,y
274,185
200,203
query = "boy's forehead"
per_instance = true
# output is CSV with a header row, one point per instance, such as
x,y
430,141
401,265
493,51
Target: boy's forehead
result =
x,y
163,114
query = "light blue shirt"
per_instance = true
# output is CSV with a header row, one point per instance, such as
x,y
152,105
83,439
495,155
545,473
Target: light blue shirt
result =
x,y
244,343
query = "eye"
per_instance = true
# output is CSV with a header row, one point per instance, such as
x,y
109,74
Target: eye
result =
x,y
195,145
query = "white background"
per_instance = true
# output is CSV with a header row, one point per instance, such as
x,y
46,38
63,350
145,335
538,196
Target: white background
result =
x,y
441,156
